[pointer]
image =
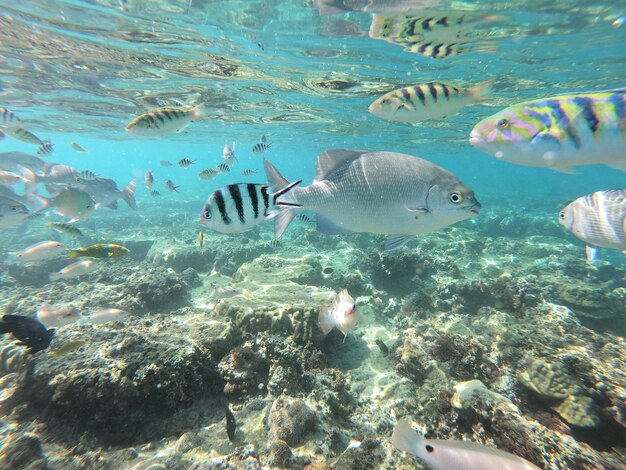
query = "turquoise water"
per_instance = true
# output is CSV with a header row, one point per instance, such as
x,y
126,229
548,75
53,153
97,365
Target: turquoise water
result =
x,y
79,71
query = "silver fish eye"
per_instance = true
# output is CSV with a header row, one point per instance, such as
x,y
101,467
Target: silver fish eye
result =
x,y
207,214
562,215
503,123
456,198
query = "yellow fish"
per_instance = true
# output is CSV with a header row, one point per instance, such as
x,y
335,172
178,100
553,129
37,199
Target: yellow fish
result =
x,y
201,241
99,250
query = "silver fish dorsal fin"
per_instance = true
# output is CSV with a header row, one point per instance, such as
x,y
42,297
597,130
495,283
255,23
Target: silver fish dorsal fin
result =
x,y
330,159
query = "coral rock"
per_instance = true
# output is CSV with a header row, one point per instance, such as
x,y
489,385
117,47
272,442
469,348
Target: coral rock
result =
x,y
289,420
244,371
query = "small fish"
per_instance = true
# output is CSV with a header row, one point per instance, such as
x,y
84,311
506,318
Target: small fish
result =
x,y
46,148
223,168
231,423
24,135
148,179
376,192
341,314
237,208
558,132
249,172
74,270
99,250
165,120
57,316
86,175
8,119
598,219
169,185
79,148
229,154
154,193
65,228
261,147
225,292
185,162
201,241
618,22
165,163
106,315
28,331
432,100
73,203
382,346
40,251
304,218
273,243
442,454
68,348
208,174
9,178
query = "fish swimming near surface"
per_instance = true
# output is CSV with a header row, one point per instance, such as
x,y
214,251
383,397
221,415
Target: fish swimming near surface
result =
x,y
229,154
99,250
148,179
450,454
8,119
377,192
28,331
166,163
433,100
185,162
154,193
79,148
240,207
341,314
208,174
46,148
24,135
63,227
165,120
73,203
39,252
261,147
558,132
57,316
106,315
73,270
223,168
598,219
249,172
169,185
105,192
15,161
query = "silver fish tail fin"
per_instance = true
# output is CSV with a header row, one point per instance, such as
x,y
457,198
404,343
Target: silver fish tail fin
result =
x,y
406,439
128,194
289,208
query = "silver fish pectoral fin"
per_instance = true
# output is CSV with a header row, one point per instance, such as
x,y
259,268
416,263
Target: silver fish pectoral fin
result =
x,y
396,241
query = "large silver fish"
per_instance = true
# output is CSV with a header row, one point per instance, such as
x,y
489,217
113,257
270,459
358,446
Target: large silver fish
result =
x,y
106,193
377,192
598,219
14,161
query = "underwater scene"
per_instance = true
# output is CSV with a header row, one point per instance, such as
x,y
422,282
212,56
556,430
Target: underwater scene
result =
x,y
312,234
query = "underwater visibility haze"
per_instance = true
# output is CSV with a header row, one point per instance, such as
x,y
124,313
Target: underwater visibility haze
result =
x,y
312,234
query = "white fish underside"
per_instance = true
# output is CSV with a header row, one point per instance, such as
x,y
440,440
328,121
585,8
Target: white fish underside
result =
x,y
375,198
604,228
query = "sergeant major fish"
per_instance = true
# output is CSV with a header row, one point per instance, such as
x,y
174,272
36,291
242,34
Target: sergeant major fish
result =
x,y
148,179
185,162
450,454
239,207
598,219
165,120
207,174
45,148
377,192
558,132
432,100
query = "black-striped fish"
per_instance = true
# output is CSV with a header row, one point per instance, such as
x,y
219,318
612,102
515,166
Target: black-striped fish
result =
x,y
261,147
86,175
223,168
433,100
24,135
558,132
9,119
165,120
169,185
249,172
46,148
304,218
239,207
154,193
274,243
63,227
185,162
207,174
79,148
